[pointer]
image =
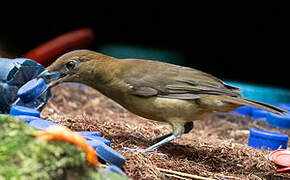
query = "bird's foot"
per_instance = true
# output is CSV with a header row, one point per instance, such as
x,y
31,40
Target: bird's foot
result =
x,y
162,155
136,148
140,138
154,140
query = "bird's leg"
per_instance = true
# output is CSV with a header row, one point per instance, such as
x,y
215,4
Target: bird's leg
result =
x,y
187,128
162,142
160,138
179,128
155,146
154,140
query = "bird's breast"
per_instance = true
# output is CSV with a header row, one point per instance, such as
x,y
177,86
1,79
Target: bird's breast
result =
x,y
163,109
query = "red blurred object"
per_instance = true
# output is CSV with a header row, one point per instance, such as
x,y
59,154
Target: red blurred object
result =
x,y
282,158
283,169
46,53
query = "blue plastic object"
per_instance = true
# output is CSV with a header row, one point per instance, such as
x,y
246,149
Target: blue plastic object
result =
x,y
115,169
52,75
278,121
41,124
21,110
31,90
263,139
245,110
13,74
108,154
94,143
91,138
284,106
28,119
258,114
90,133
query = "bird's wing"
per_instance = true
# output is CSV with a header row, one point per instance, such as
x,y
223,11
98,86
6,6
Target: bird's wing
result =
x,y
151,78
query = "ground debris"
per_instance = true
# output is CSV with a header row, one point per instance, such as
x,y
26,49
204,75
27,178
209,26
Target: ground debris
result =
x,y
215,148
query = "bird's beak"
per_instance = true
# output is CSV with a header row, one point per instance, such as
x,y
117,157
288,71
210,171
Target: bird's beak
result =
x,y
53,77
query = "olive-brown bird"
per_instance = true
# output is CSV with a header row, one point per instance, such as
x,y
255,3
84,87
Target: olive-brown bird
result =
x,y
154,90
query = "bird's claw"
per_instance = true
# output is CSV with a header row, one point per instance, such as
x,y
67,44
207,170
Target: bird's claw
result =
x,y
136,148
162,155
140,138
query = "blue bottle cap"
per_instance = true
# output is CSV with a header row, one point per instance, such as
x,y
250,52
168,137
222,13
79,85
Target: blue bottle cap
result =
x,y
52,75
21,110
284,106
245,110
28,119
31,90
90,133
94,143
108,154
41,124
92,138
278,121
267,139
259,114
115,169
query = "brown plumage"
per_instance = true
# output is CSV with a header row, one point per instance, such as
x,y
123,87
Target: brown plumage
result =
x,y
154,90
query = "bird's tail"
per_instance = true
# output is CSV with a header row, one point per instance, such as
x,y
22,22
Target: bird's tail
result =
x,y
256,104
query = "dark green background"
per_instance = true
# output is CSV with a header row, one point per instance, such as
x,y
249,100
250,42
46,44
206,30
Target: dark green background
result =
x,y
231,41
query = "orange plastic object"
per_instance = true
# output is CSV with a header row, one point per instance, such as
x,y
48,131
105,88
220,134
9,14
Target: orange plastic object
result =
x,y
65,134
46,53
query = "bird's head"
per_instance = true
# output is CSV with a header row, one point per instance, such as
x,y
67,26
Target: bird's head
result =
x,y
74,66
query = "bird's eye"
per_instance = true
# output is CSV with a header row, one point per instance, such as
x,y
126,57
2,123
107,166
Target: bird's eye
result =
x,y
71,64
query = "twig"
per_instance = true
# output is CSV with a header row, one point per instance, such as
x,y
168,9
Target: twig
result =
x,y
172,175
184,174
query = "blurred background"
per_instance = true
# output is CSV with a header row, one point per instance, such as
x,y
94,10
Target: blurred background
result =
x,y
248,44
